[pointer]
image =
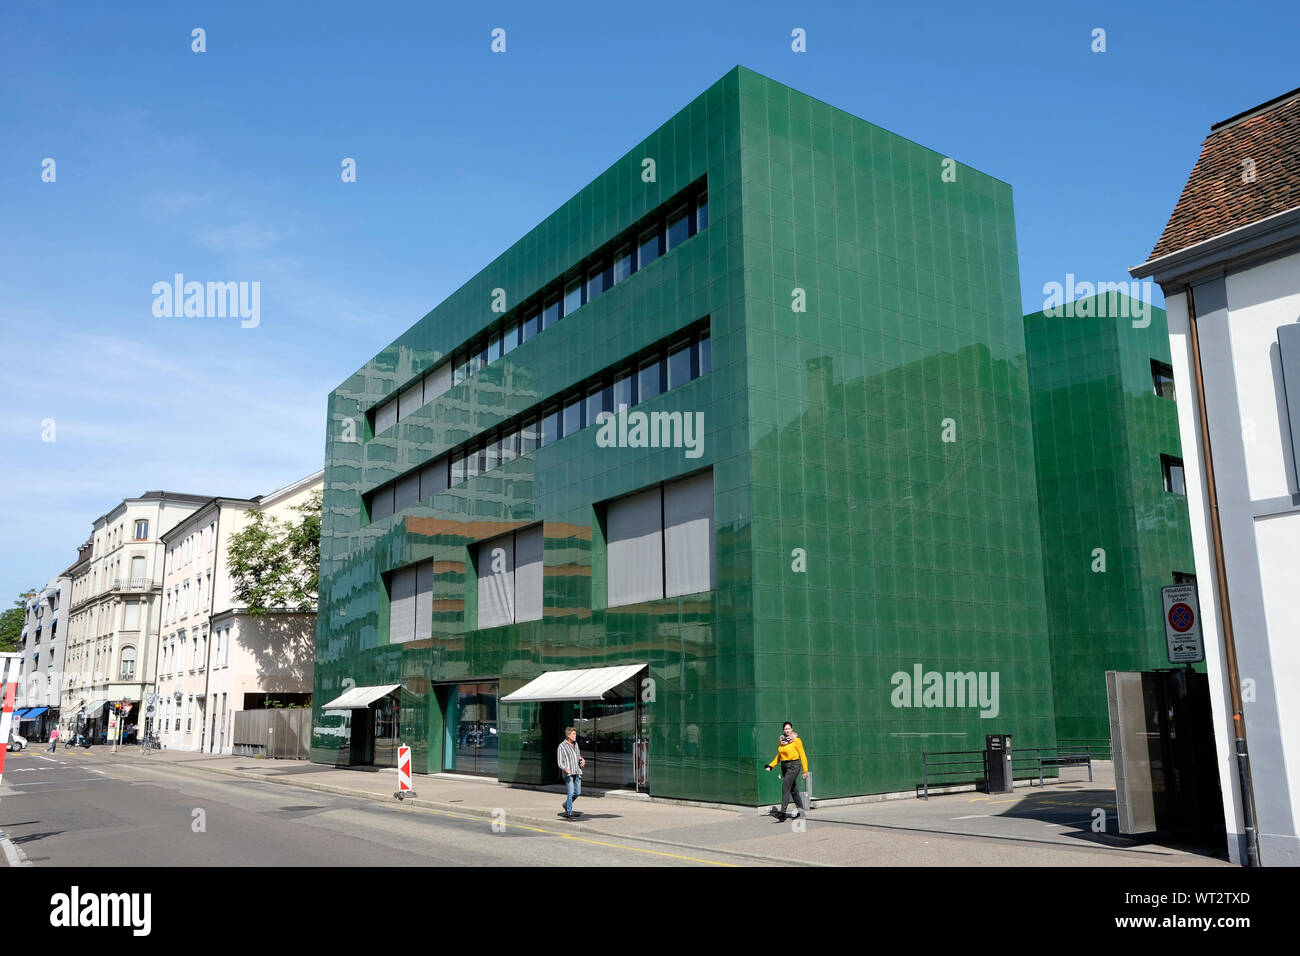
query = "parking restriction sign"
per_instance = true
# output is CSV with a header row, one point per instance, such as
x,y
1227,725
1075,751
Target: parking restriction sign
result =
x,y
1182,624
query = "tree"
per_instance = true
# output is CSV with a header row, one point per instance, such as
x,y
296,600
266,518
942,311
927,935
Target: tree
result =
x,y
11,624
277,565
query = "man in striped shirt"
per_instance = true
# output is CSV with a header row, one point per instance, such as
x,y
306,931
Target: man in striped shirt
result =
x,y
571,762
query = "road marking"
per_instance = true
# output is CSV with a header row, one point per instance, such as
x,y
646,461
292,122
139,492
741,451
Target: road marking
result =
x,y
50,759
973,816
46,783
567,836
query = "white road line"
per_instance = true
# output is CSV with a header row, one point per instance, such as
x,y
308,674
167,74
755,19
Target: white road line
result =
x,y
973,816
46,783
50,759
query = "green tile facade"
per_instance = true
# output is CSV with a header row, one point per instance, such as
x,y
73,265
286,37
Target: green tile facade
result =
x,y
868,429
1099,432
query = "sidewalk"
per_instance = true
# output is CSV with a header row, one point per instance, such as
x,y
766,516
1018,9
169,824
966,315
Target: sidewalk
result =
x,y
1049,826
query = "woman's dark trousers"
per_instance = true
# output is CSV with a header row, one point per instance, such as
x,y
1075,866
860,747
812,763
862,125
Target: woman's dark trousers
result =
x,y
790,777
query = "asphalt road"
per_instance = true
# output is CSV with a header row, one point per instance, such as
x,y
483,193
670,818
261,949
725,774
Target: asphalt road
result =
x,y
87,809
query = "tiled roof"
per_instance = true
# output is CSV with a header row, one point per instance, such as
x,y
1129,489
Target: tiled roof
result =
x,y
1219,195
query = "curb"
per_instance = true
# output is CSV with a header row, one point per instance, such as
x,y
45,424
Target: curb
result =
x,y
425,804
14,854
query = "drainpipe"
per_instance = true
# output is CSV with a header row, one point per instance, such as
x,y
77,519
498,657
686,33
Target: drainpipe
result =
x,y
1221,580
212,600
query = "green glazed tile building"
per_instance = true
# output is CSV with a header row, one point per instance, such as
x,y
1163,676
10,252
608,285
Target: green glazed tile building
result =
x,y
1113,508
740,434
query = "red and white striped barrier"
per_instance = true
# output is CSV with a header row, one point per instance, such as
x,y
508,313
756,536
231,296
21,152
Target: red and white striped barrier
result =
x,y
404,773
9,675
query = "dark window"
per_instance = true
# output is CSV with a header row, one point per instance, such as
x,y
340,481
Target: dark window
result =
x,y
458,469
511,339
650,248
702,213
597,282
649,380
706,354
510,446
551,427
528,437
598,400
573,297
463,368
481,360
1162,377
494,347
573,416
679,228
1183,577
551,314
1173,473
624,264
532,325
625,390
679,365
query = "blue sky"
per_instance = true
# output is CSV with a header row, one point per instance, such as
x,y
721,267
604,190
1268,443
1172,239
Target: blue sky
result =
x,y
224,165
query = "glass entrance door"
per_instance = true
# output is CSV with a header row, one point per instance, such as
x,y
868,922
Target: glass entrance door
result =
x,y
471,721
608,737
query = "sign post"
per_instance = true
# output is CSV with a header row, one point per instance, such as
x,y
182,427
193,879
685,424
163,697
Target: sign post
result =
x,y
1183,639
404,773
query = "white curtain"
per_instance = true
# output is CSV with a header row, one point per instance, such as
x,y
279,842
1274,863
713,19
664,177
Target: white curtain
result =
x,y
424,600
401,607
688,535
433,478
437,381
528,574
410,400
496,581
635,548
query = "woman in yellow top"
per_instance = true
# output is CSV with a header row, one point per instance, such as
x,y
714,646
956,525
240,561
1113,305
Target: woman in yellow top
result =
x,y
790,752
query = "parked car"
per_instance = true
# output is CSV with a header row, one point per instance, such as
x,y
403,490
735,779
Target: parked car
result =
x,y
16,742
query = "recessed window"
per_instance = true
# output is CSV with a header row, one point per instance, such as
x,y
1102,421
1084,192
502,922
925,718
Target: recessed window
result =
x,y
679,228
410,603
410,399
532,325
706,354
649,248
495,344
573,297
596,282
551,427
433,479
381,505
550,314
142,530
509,572
1173,474
572,417
702,212
624,264
528,437
679,365
1184,577
649,380
625,390
1162,378
599,400
458,469
660,542
510,341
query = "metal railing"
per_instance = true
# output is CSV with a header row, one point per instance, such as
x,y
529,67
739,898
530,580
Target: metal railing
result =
x,y
132,584
1026,763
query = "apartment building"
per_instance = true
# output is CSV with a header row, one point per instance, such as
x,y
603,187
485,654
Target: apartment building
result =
x,y
215,657
44,653
114,610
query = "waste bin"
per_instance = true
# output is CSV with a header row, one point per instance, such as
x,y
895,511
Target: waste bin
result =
x,y
997,763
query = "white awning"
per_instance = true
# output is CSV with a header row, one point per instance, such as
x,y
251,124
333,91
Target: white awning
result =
x,y
95,706
359,697
590,684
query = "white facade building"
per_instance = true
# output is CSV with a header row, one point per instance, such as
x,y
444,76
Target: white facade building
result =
x,y
214,658
114,610
1229,265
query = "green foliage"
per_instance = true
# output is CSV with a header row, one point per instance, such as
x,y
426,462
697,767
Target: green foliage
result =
x,y
11,625
275,565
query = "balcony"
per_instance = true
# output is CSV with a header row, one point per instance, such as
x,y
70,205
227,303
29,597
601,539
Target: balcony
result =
x,y
132,584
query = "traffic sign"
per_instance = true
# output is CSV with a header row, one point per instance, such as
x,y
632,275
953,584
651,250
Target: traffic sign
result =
x,y
403,773
1182,609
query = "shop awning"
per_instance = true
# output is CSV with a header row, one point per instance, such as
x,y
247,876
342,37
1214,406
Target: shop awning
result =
x,y
590,684
94,707
18,714
359,697
33,713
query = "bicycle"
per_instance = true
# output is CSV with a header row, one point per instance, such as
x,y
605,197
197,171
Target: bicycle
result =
x,y
149,743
